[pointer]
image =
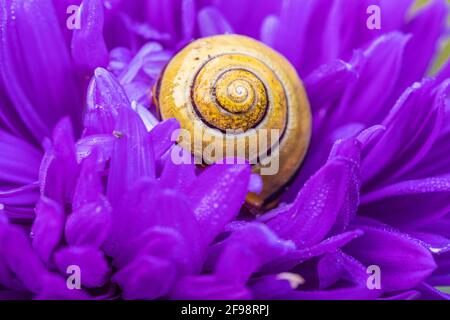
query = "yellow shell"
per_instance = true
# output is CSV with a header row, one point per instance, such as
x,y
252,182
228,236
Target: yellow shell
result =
x,y
231,92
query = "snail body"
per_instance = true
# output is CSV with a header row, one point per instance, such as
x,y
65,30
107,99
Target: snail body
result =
x,y
231,92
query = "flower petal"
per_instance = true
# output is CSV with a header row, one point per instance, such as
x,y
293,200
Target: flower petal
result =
x,y
409,204
132,156
330,194
411,120
91,261
89,225
211,22
59,168
41,95
219,202
206,287
146,277
403,261
162,136
88,46
105,98
246,251
47,230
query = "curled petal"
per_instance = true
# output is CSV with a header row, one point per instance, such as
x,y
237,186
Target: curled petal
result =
x,y
162,136
411,120
330,245
220,202
330,194
246,251
18,261
409,204
208,287
90,225
89,186
47,230
404,262
59,168
88,46
105,98
146,277
93,266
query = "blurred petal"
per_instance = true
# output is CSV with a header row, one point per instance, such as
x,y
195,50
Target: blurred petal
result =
x,y
88,46
208,288
416,119
90,225
41,95
146,278
19,161
211,22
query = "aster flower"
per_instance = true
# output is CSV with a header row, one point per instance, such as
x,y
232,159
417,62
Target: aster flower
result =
x,y
87,179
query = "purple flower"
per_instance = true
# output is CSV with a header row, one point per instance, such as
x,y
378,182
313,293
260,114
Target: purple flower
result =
x,y
86,177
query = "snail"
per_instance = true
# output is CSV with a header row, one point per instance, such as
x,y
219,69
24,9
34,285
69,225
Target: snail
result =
x,y
231,92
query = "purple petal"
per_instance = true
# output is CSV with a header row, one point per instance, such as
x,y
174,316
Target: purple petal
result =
x,y
59,168
19,163
435,243
327,84
132,156
88,46
413,121
41,95
102,143
246,250
146,278
55,288
47,230
409,204
89,225
211,22
220,202
329,245
162,136
403,261
91,261
161,242
426,29
147,205
89,186
378,71
178,176
105,98
208,287
318,205
19,259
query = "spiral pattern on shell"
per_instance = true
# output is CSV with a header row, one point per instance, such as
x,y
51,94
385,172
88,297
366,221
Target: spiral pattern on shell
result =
x,y
232,91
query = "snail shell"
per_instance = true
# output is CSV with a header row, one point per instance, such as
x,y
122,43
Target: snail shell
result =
x,y
235,93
